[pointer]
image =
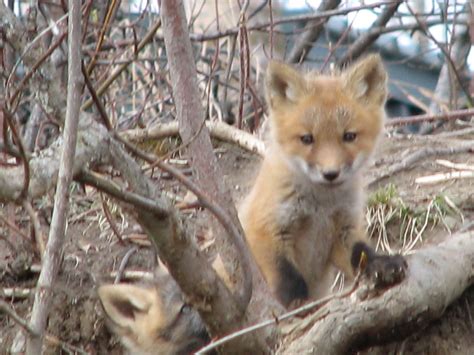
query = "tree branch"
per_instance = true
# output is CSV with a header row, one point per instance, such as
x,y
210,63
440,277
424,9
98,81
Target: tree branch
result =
x,y
287,19
313,29
364,41
44,166
53,253
204,289
191,116
234,252
218,130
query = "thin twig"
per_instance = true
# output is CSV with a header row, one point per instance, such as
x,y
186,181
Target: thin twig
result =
x,y
312,31
287,19
33,70
111,7
10,122
400,121
303,309
53,253
13,227
110,220
111,78
122,194
5,308
364,41
36,226
123,264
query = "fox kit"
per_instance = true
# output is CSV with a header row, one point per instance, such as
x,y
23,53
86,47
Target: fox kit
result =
x,y
153,319
305,211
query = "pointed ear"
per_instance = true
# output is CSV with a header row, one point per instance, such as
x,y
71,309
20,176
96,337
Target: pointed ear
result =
x,y
122,302
367,80
283,84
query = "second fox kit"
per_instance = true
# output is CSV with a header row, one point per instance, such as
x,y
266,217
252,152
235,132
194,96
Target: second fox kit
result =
x,y
305,211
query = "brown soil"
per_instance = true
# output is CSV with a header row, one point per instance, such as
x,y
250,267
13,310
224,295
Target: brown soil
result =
x,y
92,252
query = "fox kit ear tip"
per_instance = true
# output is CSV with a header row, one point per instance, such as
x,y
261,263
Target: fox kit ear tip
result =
x,y
104,290
374,57
367,79
273,63
283,83
274,68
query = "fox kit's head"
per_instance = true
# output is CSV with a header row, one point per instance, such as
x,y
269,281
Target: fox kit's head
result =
x,y
152,319
327,126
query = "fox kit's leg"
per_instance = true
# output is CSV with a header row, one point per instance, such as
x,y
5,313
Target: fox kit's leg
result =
x,y
351,246
276,258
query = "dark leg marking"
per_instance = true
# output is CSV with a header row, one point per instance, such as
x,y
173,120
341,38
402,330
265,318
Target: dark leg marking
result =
x,y
382,270
291,285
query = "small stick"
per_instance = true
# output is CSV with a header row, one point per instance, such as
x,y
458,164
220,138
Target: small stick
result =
x,y
458,166
276,320
108,216
36,226
123,264
433,179
5,308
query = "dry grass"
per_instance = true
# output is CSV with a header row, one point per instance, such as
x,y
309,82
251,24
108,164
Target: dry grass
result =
x,y
395,225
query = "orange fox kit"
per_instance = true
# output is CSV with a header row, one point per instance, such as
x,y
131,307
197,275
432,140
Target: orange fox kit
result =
x,y
305,211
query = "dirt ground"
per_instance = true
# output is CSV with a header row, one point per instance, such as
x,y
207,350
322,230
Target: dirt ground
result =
x,y
93,252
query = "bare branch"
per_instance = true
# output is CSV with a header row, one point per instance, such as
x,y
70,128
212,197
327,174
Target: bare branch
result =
x,y
287,19
218,130
364,41
313,29
204,289
111,78
53,253
452,115
234,252
191,115
449,81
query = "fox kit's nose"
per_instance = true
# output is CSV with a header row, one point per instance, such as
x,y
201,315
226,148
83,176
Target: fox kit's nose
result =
x,y
331,175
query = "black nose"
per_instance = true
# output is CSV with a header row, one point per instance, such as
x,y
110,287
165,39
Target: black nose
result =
x,y
331,175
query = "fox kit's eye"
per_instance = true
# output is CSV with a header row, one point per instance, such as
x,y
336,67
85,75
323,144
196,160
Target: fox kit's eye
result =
x,y
307,139
185,308
349,136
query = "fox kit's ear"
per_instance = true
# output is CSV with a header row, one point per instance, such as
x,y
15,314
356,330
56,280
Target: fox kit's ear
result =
x,y
283,84
122,302
367,79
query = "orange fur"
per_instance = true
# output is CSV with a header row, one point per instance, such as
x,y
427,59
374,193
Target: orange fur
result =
x,y
307,202
152,319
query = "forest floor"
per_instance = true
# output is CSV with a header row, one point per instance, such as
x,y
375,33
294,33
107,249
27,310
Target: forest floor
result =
x,y
93,252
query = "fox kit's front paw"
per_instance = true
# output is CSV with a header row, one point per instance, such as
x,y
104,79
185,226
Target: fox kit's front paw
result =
x,y
381,270
386,270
